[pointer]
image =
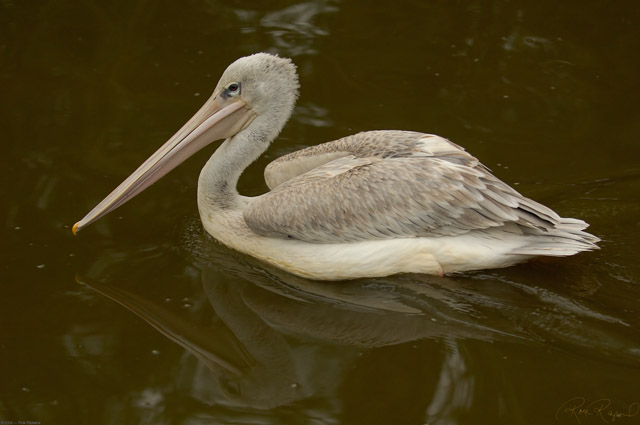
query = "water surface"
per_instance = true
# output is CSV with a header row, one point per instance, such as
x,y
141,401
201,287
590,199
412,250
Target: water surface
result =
x,y
143,318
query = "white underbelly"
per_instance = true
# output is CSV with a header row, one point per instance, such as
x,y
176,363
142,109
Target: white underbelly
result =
x,y
376,258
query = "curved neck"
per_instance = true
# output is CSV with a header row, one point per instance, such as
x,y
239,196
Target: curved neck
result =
x,y
217,184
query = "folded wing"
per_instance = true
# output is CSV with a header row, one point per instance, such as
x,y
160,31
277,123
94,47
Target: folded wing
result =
x,y
393,184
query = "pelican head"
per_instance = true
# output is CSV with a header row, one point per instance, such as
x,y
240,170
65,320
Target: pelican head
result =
x,y
255,94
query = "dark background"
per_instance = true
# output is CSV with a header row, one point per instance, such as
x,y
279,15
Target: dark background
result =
x,y
545,93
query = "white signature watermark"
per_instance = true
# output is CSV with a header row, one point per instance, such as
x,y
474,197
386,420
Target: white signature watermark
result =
x,y
579,409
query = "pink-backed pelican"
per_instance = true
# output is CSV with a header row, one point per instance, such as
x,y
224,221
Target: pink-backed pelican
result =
x,y
368,205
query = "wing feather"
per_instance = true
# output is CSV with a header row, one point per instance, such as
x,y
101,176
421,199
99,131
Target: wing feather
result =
x,y
388,185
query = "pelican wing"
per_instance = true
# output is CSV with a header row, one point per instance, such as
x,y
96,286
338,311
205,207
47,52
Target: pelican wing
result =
x,y
390,184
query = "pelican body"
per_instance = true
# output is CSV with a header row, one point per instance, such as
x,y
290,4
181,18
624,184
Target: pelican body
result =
x,y
368,205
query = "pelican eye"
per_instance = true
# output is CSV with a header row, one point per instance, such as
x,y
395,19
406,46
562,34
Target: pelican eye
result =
x,y
231,89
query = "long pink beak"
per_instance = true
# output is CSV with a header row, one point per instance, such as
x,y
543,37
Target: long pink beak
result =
x,y
218,118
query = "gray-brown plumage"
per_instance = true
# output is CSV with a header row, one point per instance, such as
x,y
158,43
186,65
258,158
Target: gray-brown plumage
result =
x,y
398,184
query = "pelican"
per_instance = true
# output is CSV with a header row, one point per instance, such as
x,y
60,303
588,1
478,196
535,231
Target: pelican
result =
x,y
372,204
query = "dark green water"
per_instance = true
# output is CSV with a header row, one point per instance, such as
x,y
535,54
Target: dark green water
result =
x,y
164,326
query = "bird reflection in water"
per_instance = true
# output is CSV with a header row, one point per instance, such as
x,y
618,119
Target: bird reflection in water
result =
x,y
279,340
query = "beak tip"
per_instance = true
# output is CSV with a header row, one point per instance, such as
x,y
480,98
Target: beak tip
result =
x,y
74,229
